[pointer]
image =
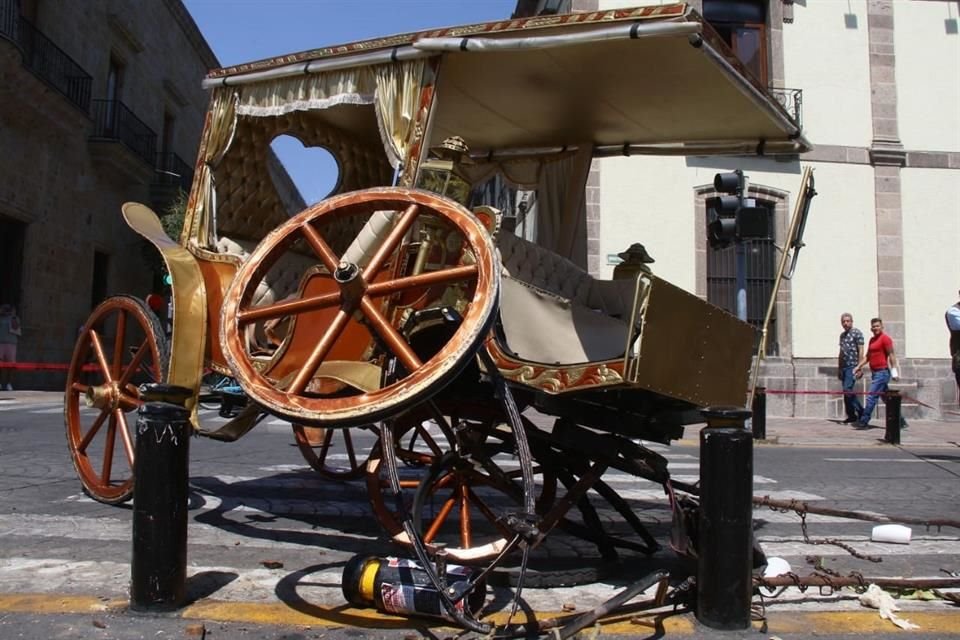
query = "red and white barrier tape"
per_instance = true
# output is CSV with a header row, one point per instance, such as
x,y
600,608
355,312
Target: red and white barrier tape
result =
x,y
854,393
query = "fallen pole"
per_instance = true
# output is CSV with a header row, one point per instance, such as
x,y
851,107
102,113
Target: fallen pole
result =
x,y
820,580
802,507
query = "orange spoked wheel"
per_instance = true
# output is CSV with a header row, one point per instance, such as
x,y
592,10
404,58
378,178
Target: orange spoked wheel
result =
x,y
457,494
121,346
410,251
336,454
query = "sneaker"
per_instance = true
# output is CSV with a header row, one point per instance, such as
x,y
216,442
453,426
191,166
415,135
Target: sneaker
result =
x,y
862,425
9,387
850,420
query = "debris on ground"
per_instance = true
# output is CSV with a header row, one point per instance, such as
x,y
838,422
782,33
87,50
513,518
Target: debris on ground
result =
x,y
877,598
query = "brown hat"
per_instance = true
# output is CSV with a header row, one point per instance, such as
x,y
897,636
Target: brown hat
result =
x,y
636,253
454,148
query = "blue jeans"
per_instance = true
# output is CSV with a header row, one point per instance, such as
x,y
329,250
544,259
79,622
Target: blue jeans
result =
x,y
879,380
851,402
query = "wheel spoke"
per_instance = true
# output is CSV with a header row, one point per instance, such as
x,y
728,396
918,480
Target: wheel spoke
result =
x,y
466,533
390,336
440,518
348,445
108,451
429,440
100,355
320,352
134,363
118,341
92,432
391,242
125,435
320,247
487,512
325,447
289,308
428,279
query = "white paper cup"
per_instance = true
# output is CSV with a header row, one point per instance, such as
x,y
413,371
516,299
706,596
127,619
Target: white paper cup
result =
x,y
776,567
896,533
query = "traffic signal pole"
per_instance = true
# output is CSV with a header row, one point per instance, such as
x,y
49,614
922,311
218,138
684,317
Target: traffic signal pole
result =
x,y
741,281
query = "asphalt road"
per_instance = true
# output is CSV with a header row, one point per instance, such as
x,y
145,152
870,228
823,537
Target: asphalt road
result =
x,y
267,533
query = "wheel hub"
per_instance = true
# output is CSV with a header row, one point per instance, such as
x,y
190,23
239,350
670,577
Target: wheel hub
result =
x,y
352,285
105,396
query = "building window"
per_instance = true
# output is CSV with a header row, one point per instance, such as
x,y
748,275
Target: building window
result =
x,y
761,272
166,135
12,234
743,26
114,87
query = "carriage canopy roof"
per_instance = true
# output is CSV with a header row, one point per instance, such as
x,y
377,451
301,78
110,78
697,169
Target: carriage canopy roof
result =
x,y
645,80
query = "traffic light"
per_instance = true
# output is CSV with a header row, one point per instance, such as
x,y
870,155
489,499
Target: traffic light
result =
x,y
721,231
722,209
732,217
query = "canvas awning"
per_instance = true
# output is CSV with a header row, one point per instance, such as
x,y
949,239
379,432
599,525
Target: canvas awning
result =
x,y
645,80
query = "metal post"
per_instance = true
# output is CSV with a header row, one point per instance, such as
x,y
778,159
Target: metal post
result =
x,y
759,419
159,562
892,399
726,520
741,254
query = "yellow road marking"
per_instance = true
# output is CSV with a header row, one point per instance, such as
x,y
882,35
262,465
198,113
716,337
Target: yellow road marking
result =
x,y
827,623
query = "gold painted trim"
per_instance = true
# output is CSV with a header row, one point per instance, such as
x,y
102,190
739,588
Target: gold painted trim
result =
x,y
553,379
189,301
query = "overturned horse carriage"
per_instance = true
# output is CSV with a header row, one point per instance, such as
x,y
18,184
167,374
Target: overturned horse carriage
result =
x,y
439,297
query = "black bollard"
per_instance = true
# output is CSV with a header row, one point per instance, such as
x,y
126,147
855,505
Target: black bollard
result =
x,y
759,420
892,399
724,584
158,566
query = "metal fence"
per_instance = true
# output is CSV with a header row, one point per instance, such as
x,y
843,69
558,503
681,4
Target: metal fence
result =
x,y
44,58
173,171
113,120
791,100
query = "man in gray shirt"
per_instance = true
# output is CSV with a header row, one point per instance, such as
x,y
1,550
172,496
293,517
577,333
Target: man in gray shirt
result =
x,y
851,352
952,316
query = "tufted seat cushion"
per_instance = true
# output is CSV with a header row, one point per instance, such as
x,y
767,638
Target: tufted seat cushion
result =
x,y
281,281
553,312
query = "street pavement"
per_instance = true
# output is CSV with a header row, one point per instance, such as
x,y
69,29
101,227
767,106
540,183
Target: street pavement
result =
x,y
268,538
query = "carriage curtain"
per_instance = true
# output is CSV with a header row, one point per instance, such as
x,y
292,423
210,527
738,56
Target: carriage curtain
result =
x,y
560,182
222,126
393,89
563,226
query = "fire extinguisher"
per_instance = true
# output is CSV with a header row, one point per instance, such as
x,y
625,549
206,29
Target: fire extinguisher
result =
x,y
401,586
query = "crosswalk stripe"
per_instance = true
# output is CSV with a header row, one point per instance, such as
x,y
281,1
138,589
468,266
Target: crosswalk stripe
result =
x,y
16,406
920,459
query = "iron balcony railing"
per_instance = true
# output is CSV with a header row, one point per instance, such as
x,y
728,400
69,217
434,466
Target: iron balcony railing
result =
x,y
44,58
112,120
172,171
791,100
9,19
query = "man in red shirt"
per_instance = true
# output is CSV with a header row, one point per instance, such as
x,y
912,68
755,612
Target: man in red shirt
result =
x,y
883,362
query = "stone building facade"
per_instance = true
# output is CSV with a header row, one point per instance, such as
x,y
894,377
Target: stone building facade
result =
x,y
100,103
879,98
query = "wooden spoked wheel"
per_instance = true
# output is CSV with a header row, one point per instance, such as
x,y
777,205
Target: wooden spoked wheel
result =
x,y
459,494
121,346
432,253
336,454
